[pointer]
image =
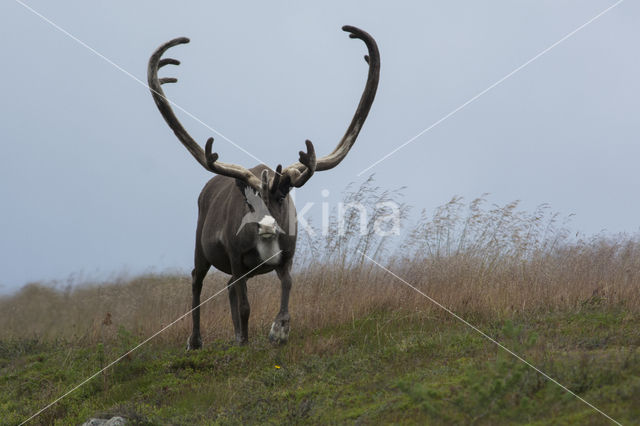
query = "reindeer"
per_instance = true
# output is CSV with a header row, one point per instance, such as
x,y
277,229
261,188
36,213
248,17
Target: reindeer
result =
x,y
246,218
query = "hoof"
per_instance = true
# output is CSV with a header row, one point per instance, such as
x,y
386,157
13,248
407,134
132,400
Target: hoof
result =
x,y
279,333
194,343
241,341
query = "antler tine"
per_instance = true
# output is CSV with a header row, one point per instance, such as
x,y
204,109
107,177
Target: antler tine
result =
x,y
168,61
275,182
230,170
210,157
206,158
295,177
264,186
366,100
309,160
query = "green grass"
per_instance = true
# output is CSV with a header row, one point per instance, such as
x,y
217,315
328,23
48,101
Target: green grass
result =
x,y
386,367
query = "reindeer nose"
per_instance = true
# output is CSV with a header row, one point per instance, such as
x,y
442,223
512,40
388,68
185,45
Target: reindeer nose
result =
x,y
266,231
267,227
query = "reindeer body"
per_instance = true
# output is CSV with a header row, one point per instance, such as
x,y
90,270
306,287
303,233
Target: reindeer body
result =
x,y
223,240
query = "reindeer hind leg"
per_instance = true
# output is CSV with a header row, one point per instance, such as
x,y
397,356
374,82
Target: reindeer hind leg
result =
x,y
199,272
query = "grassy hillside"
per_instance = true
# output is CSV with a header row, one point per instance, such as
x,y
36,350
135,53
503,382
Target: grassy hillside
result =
x,y
364,347
406,367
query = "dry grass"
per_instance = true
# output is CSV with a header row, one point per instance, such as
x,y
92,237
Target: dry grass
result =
x,y
488,262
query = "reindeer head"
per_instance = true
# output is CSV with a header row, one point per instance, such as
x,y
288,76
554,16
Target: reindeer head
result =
x,y
263,210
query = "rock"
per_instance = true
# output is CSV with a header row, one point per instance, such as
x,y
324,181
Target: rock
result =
x,y
113,421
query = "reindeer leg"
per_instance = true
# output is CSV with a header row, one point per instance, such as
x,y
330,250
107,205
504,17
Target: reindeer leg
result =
x,y
234,305
279,333
245,311
197,275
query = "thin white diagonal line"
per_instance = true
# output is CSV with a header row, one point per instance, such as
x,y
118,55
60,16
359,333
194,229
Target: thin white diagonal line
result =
x,y
500,345
516,70
145,341
119,68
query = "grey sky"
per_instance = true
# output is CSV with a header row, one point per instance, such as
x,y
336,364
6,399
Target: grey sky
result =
x,y
93,181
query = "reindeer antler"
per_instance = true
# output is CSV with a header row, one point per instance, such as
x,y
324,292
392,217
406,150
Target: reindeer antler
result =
x,y
206,158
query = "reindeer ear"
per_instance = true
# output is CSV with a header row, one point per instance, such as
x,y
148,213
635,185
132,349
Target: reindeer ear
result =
x,y
247,192
265,180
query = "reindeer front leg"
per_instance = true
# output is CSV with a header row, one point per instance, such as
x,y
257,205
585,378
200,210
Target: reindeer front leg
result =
x,y
279,333
240,310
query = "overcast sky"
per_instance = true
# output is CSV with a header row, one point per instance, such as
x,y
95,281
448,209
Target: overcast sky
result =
x,y
93,182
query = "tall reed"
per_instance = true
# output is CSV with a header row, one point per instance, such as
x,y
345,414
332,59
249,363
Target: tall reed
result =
x,y
476,259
